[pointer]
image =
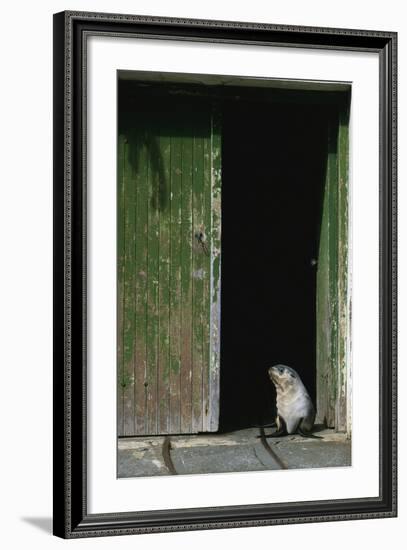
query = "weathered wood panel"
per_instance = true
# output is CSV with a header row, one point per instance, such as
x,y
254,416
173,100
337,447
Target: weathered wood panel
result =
x,y
151,335
175,298
163,206
327,290
129,294
332,365
186,286
168,270
142,198
332,283
343,413
215,237
198,273
120,282
325,410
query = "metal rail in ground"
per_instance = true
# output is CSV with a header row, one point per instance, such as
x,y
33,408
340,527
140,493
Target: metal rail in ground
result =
x,y
270,451
166,452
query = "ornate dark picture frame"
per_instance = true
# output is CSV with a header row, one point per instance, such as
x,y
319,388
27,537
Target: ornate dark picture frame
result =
x,y
71,517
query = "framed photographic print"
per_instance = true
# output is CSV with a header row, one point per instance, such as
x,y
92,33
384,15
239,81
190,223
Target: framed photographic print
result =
x,y
224,274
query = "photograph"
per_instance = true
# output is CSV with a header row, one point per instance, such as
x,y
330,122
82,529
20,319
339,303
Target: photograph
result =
x,y
233,274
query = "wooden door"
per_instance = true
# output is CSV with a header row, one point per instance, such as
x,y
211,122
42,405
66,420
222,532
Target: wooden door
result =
x,y
333,310
168,265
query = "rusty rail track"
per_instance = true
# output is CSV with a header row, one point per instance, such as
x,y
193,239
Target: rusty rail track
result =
x,y
166,452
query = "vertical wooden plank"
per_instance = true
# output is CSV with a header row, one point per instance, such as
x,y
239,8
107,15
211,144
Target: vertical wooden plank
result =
x,y
206,260
342,413
198,275
163,162
332,284
322,309
333,274
120,283
129,287
175,281
187,237
327,290
215,269
142,197
152,286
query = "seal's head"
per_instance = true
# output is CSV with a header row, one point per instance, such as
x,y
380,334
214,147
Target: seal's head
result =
x,y
283,376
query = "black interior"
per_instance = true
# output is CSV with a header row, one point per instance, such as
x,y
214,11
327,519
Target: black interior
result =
x,y
273,169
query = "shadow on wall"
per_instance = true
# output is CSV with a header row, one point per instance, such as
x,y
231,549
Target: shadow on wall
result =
x,y
140,143
42,523
149,126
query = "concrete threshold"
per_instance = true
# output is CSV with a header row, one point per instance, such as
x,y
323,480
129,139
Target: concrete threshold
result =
x,y
238,451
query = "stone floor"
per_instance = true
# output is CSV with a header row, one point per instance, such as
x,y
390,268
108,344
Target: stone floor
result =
x,y
239,451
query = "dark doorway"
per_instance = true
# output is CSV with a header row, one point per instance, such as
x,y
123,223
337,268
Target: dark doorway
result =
x,y
273,171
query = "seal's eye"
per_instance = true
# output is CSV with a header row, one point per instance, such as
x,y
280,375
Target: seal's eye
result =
x,y
280,369
292,375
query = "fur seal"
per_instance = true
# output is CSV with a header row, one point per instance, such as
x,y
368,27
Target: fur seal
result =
x,y
295,411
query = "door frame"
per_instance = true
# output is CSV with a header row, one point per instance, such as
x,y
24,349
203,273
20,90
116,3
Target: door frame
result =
x,y
333,364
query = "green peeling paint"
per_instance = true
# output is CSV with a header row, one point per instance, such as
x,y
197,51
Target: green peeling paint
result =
x,y
332,281
168,267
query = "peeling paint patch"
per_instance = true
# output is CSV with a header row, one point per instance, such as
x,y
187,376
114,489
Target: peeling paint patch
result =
x,y
198,273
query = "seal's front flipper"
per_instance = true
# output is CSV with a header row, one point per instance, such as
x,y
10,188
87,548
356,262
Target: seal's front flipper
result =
x,y
309,435
306,433
281,428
